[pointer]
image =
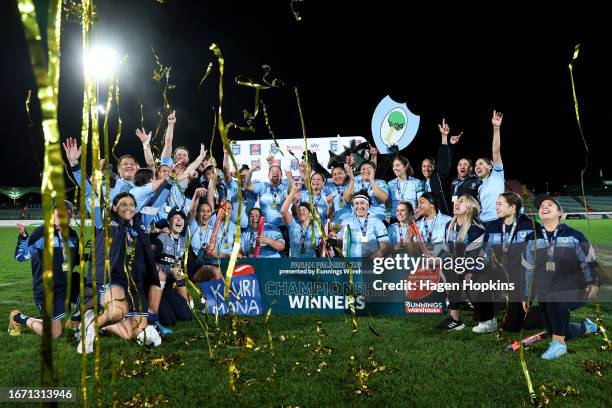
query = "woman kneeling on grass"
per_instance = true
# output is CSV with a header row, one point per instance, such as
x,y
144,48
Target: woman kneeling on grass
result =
x,y
132,269
561,262
31,247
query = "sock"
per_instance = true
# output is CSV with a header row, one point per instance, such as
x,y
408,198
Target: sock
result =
x,y
21,318
153,317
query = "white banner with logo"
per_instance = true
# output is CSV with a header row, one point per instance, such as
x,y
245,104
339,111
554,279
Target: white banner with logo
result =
x,y
251,151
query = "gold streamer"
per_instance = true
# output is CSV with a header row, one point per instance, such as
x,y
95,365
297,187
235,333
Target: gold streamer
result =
x,y
532,394
27,107
586,147
161,75
296,14
86,26
607,346
547,392
223,130
119,121
46,71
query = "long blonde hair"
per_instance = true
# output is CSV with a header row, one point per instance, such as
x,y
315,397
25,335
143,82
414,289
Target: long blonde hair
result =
x,y
473,209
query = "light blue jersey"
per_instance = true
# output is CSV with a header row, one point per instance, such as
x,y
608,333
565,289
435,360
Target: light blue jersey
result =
x,y
404,190
319,202
270,200
433,231
300,239
377,208
397,233
248,240
366,235
249,200
200,234
342,209
488,192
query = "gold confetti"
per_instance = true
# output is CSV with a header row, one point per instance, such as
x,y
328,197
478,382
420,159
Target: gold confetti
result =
x,y
140,401
594,367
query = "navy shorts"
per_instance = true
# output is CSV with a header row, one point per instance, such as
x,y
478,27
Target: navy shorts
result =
x,y
59,311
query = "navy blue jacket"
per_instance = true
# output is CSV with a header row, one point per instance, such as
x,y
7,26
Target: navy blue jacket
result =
x,y
575,265
31,247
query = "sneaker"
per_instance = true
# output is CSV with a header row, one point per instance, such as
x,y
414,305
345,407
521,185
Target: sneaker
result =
x,y
451,324
589,327
163,330
149,336
555,350
486,326
90,333
14,328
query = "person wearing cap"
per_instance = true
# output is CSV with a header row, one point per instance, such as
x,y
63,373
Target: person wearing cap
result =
x,y
335,187
271,241
560,267
431,222
168,304
376,190
463,240
504,246
368,234
301,242
31,247
491,173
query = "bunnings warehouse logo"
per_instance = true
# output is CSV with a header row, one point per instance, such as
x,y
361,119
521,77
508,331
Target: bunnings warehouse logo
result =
x,y
423,307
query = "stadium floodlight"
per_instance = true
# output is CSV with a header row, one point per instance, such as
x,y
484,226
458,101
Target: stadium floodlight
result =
x,y
101,109
101,62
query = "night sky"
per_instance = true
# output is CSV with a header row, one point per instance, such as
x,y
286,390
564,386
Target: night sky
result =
x,y
442,61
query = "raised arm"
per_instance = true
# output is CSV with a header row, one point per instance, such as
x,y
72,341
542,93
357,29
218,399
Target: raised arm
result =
x,y
443,161
248,184
330,206
196,163
348,193
195,201
227,174
289,176
145,138
284,211
496,146
167,150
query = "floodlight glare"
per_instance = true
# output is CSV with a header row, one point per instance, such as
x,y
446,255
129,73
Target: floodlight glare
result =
x,y
101,62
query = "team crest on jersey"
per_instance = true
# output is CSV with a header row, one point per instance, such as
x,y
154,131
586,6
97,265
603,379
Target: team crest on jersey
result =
x,y
393,125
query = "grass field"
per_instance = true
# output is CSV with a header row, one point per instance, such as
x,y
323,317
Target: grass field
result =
x,y
422,367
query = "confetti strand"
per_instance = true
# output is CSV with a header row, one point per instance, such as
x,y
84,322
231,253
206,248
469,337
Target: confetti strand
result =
x,y
46,71
586,147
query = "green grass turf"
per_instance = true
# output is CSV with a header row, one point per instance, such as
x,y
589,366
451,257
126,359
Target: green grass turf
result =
x,y
423,367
